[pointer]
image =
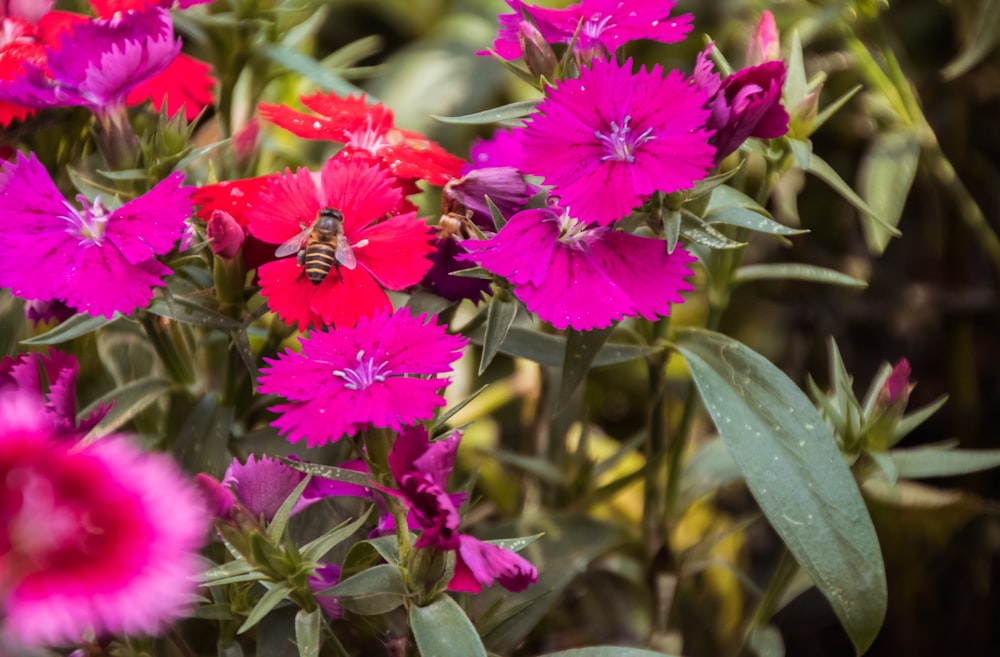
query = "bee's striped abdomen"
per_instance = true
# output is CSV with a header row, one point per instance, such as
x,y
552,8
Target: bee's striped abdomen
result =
x,y
319,261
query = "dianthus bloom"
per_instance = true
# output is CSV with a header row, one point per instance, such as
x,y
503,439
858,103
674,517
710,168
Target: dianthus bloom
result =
x,y
50,379
95,260
390,252
421,468
579,276
744,104
368,133
599,26
610,138
97,63
96,539
370,375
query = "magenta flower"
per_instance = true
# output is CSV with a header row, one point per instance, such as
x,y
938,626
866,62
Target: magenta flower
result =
x,y
609,139
744,104
50,379
604,25
500,150
97,63
897,385
374,374
96,539
326,576
421,468
96,261
572,275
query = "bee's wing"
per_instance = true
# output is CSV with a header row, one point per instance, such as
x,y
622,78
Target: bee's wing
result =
x,y
293,245
344,253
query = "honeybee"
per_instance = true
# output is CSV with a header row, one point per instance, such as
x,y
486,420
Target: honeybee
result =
x,y
321,246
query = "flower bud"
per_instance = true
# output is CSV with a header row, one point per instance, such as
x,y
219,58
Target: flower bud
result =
x,y
897,386
219,499
538,54
764,45
225,234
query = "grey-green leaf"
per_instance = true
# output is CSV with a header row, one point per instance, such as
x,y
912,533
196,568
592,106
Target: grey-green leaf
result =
x,y
792,465
696,230
737,216
795,271
985,38
307,632
127,402
548,349
884,180
503,113
826,173
330,472
582,348
441,629
499,316
73,327
274,596
316,548
921,462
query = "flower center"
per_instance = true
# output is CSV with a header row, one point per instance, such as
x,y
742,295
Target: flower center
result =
x,y
370,138
621,142
570,228
593,26
92,222
366,373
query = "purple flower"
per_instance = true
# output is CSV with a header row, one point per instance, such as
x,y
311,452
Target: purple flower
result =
x,y
370,375
609,139
98,62
579,276
500,150
421,468
745,104
96,261
326,576
50,379
604,25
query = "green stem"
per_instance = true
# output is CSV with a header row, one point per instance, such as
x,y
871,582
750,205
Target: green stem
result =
x,y
167,349
782,576
655,491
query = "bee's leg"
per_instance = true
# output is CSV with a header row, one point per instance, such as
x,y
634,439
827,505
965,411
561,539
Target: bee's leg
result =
x,y
301,257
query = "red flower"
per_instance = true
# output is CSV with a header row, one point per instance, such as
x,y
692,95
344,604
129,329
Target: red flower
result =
x,y
184,84
235,198
390,250
367,132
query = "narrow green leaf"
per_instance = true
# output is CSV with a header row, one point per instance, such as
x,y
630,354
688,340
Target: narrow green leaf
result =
x,y
824,115
671,228
736,216
511,111
238,567
73,327
706,185
885,177
795,89
441,629
374,591
127,402
274,596
582,348
308,67
276,528
887,465
354,52
195,153
236,579
802,151
330,472
725,196
516,544
307,632
202,443
696,230
500,315
534,465
128,174
606,651
924,462
450,413
795,271
913,420
315,549
792,465
190,312
548,349
985,38
241,341
826,173
368,553
499,221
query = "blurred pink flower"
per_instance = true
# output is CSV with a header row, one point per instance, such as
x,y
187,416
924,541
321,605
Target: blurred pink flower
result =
x,y
117,550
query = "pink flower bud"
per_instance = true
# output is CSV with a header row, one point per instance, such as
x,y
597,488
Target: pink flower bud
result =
x,y
219,499
226,235
764,45
897,385
538,54
245,141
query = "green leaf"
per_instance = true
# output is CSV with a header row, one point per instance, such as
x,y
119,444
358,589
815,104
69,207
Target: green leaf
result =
x,y
354,52
913,420
280,521
831,109
190,312
582,348
307,632
766,642
274,596
500,315
369,552
128,174
372,592
884,180
511,111
985,38
330,472
791,464
202,443
696,230
606,651
308,67
826,173
442,420
725,196
802,150
441,629
73,327
231,569
315,549
795,271
548,349
499,221
128,401
795,89
922,462
737,216
195,153
671,228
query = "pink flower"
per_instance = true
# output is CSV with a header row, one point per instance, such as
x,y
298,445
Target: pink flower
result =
x,y
744,104
117,549
421,468
604,25
50,379
764,45
500,150
609,139
372,374
389,250
225,233
897,385
97,261
572,275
